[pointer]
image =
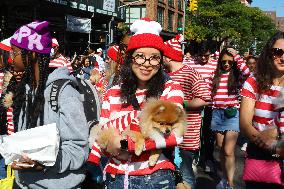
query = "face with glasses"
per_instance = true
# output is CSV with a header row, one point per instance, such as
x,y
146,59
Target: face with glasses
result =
x,y
227,62
16,56
145,63
277,52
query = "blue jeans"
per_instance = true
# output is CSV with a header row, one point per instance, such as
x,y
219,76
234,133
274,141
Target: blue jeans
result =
x,y
3,172
158,179
186,166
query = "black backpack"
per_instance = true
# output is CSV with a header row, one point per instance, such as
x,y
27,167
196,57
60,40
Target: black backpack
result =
x,y
91,102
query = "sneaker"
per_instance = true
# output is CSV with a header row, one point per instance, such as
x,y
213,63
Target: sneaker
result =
x,y
209,166
222,184
244,147
229,187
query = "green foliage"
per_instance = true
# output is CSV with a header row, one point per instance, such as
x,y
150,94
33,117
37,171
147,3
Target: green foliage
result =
x,y
225,20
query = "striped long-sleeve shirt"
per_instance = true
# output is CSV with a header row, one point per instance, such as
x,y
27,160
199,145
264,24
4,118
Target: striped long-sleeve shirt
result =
x,y
205,70
127,117
59,62
222,99
265,103
193,86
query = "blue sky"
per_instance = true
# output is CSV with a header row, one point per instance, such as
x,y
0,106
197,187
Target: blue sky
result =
x,y
270,5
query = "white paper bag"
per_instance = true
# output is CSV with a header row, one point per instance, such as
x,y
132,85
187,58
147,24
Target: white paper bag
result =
x,y
40,144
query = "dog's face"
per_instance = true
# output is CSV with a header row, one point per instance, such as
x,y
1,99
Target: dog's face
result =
x,y
165,116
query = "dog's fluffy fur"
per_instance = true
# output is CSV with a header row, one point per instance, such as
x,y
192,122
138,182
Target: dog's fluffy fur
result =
x,y
158,118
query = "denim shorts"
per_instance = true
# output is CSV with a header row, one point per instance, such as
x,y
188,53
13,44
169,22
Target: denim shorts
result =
x,y
221,123
158,179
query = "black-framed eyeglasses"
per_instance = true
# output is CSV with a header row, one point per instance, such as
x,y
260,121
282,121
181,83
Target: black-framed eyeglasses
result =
x,y
13,54
277,52
140,59
225,61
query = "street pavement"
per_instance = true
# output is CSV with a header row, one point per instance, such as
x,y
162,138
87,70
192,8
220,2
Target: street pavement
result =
x,y
210,180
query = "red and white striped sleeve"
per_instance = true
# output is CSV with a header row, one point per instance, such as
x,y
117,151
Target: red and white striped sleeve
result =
x,y
200,88
10,124
241,65
249,88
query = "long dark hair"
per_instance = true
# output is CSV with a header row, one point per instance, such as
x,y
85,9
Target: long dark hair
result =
x,y
233,80
155,86
33,109
265,68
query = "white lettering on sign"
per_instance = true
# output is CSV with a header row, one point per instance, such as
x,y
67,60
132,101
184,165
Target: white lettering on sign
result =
x,y
34,39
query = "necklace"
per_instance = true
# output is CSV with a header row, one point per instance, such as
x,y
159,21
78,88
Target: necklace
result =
x,y
279,80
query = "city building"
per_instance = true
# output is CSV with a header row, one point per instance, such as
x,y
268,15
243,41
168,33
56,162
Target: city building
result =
x,y
278,21
77,24
169,13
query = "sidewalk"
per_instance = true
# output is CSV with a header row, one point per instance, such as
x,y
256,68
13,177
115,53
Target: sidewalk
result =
x,y
209,181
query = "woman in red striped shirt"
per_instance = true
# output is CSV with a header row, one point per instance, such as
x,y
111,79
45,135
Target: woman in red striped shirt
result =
x,y
258,105
225,115
142,77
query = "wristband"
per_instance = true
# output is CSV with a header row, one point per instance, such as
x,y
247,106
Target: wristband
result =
x,y
185,104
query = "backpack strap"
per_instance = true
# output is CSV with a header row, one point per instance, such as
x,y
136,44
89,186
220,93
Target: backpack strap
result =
x,y
54,93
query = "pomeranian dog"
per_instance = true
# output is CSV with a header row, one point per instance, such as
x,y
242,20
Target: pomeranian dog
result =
x,y
158,119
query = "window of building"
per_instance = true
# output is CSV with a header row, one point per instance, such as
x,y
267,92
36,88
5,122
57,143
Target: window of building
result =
x,y
171,3
170,21
160,16
180,4
135,13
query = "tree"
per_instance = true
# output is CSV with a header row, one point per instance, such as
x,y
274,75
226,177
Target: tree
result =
x,y
230,21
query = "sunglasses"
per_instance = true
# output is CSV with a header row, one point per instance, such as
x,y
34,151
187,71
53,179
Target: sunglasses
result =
x,y
229,62
277,52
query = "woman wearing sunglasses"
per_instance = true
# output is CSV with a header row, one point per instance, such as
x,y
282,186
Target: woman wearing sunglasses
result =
x,y
258,106
225,115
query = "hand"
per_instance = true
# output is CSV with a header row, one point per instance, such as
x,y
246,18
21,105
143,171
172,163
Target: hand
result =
x,y
232,51
27,163
265,138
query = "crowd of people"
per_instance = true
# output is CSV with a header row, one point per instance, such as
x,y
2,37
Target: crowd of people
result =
x,y
223,94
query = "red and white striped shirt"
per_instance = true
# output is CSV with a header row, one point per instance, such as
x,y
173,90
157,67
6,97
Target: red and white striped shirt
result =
x,y
265,103
127,117
59,62
1,82
193,86
222,99
206,70
10,124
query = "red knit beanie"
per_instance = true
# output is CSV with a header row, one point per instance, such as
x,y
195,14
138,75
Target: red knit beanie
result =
x,y
173,48
112,52
146,34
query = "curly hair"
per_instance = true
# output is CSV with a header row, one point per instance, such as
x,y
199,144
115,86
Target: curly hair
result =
x,y
129,85
265,68
33,109
234,75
